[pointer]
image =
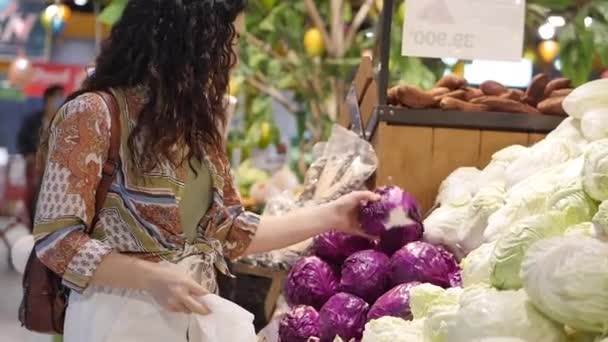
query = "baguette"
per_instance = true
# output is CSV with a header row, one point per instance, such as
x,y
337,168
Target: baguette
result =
x,y
438,91
557,84
552,106
391,96
450,103
414,97
452,81
456,94
511,94
561,92
536,91
493,88
472,93
500,104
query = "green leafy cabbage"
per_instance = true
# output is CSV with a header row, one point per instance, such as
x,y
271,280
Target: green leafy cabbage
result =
x,y
545,154
585,229
569,129
600,221
587,97
426,298
595,170
487,313
476,267
567,279
392,329
552,188
486,202
510,249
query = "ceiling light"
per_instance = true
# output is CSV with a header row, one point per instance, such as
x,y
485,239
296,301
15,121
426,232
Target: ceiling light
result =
x,y
557,20
546,31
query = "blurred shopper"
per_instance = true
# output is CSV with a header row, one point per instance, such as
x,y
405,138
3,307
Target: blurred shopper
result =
x,y
29,134
28,139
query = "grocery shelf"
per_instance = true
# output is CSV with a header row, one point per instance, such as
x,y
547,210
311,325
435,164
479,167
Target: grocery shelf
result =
x,y
494,121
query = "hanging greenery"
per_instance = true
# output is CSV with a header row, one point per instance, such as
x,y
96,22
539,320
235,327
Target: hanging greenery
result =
x,y
112,12
583,41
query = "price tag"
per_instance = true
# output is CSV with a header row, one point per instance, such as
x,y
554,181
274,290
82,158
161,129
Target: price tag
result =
x,y
464,29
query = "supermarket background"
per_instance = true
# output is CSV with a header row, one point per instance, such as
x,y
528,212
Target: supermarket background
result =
x,y
290,86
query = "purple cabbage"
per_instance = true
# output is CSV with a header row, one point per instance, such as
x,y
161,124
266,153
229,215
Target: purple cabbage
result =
x,y
311,281
335,246
426,263
365,274
395,218
299,324
393,239
395,302
343,315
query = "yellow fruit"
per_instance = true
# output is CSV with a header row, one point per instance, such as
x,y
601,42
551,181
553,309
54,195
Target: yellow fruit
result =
x,y
265,129
548,50
530,55
268,4
373,13
401,13
313,43
234,87
379,5
458,69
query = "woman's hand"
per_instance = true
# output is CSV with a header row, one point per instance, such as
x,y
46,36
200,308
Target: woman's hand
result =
x,y
174,290
276,232
344,212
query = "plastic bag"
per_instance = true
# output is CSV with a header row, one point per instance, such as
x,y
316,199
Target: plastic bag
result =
x,y
340,165
227,322
344,165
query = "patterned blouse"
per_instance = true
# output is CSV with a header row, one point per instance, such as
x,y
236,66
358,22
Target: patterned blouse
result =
x,y
141,215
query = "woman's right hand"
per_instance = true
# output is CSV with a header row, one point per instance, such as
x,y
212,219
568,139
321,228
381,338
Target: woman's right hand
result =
x,y
174,290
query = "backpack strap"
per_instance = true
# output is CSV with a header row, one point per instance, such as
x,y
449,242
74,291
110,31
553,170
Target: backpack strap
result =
x,y
112,163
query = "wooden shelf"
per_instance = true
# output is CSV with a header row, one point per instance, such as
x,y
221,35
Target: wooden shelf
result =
x,y
510,122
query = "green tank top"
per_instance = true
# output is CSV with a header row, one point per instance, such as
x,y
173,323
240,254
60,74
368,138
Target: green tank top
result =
x,y
196,198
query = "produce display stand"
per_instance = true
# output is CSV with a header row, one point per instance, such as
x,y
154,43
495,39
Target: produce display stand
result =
x,y
418,149
277,278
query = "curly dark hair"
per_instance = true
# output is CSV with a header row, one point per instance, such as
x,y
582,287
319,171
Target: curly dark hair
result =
x,y
181,51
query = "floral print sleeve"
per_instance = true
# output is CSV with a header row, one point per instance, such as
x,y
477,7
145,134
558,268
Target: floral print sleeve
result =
x,y
78,146
231,224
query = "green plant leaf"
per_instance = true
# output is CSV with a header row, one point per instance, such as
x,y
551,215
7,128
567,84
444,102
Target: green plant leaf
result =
x,y
112,13
576,43
347,12
557,5
600,40
602,8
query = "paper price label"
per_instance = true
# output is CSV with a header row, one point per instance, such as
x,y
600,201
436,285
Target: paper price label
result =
x,y
464,29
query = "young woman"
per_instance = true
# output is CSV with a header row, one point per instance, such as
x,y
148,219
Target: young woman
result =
x,y
172,215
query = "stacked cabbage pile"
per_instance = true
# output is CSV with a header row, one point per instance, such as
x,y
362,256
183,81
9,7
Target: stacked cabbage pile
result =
x,y
350,280
532,231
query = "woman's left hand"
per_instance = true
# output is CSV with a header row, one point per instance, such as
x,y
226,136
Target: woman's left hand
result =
x,y
344,212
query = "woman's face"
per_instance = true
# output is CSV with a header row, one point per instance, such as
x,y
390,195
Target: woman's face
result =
x,y
239,26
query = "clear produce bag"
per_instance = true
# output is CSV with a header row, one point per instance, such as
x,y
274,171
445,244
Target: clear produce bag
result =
x,y
344,164
340,165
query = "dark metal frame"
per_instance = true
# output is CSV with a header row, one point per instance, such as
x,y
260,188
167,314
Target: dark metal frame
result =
x,y
438,118
384,34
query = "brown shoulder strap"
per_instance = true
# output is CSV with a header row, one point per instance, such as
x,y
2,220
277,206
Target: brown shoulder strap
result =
x,y
112,164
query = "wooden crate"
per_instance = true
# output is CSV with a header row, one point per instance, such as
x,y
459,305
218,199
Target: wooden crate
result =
x,y
418,159
418,149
